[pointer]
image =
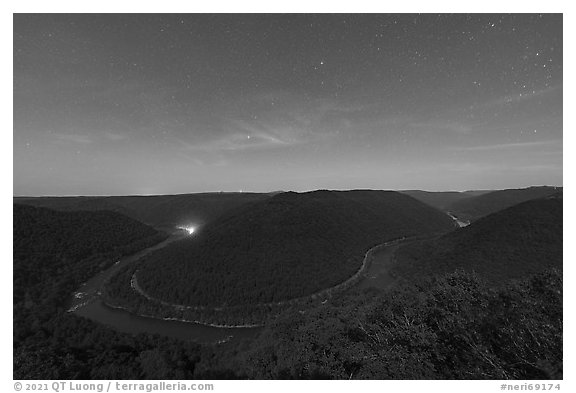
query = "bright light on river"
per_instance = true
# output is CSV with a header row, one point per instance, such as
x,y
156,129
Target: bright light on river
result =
x,y
190,230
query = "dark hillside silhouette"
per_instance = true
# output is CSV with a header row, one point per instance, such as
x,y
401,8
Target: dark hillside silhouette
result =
x,y
163,211
512,243
479,206
442,199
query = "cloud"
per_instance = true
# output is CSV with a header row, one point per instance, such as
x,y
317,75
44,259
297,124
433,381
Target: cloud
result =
x,y
236,142
513,145
250,139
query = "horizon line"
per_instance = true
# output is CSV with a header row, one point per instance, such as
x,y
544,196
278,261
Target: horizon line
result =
x,y
277,191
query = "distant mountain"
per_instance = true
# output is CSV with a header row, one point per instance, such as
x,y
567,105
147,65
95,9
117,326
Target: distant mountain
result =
x,y
283,247
512,243
442,199
482,205
162,211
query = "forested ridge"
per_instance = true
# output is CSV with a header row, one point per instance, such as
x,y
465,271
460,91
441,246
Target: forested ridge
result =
x,y
288,246
512,243
474,208
162,211
442,199
54,252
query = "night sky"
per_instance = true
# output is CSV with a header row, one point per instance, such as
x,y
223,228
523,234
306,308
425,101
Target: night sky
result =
x,y
162,104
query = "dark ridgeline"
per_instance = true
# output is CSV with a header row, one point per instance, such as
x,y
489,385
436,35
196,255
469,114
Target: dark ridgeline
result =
x,y
284,247
161,211
518,241
54,252
443,199
479,206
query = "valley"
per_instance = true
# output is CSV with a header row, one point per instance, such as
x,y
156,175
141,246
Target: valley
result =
x,y
91,305
380,244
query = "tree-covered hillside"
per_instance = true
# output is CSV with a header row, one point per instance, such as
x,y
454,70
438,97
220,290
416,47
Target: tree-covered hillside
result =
x,y
287,246
453,326
49,244
54,252
511,243
442,199
479,206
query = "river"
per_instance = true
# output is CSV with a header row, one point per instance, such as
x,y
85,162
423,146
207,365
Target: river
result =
x,y
377,275
459,222
88,303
